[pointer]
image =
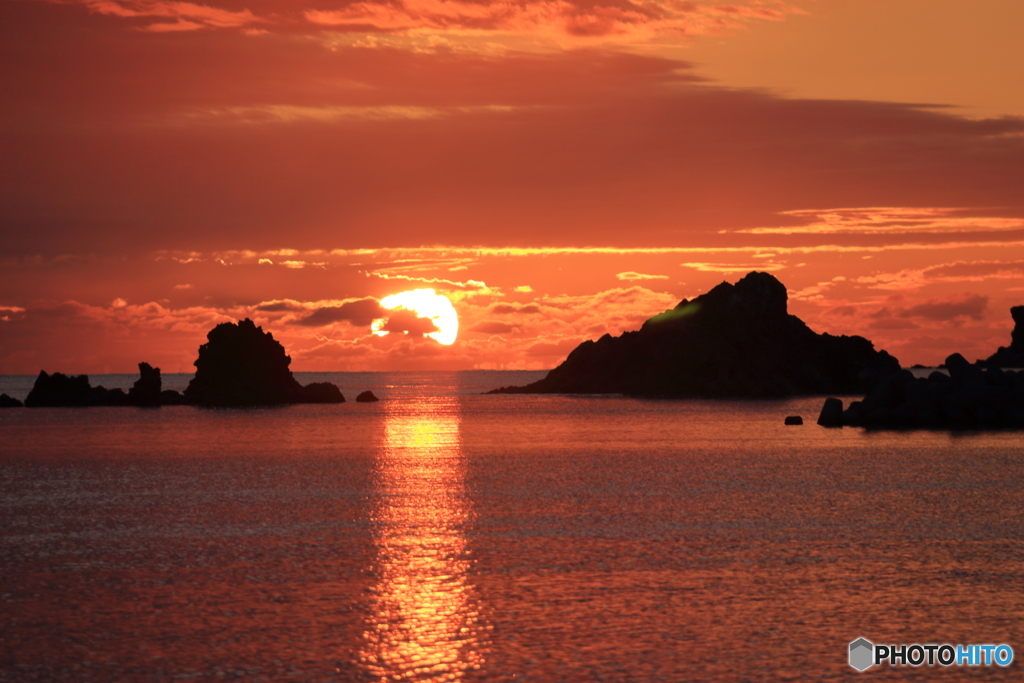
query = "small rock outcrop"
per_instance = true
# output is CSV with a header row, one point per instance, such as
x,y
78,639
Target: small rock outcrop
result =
x,y
1011,356
366,397
146,390
734,341
169,397
792,420
831,413
241,365
59,390
320,392
10,402
969,397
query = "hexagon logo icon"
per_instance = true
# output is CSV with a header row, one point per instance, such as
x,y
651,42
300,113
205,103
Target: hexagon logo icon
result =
x,y
862,653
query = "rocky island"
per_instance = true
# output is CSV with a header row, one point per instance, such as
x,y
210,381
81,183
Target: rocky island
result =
x,y
241,365
735,341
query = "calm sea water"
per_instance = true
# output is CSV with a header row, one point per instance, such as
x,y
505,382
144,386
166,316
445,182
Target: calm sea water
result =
x,y
444,535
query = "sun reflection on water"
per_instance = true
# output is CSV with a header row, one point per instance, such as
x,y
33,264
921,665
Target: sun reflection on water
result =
x,y
425,622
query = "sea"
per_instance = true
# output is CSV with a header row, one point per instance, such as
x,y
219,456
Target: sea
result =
x,y
443,534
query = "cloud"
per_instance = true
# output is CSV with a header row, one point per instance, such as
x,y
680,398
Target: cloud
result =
x,y
280,306
733,267
492,327
526,309
559,349
604,21
967,271
939,309
889,220
893,324
402,320
967,305
844,310
361,313
957,271
630,275
187,16
472,285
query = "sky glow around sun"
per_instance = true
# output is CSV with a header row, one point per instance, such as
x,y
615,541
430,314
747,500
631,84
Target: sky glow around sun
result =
x,y
425,303
556,171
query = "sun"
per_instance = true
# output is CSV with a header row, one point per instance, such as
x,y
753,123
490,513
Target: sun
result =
x,y
425,303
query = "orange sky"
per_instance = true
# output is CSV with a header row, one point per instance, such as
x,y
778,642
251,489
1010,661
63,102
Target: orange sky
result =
x,y
560,169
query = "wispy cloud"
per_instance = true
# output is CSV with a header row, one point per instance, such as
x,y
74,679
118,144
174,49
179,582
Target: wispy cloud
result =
x,y
185,16
888,220
602,21
630,275
732,267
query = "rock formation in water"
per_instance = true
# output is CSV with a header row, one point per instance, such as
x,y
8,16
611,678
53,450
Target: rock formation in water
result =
x,y
967,398
59,390
10,402
320,392
241,365
831,413
366,397
734,341
1011,356
146,390
169,397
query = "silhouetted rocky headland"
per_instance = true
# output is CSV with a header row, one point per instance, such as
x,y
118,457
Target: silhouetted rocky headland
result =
x,y
734,341
1011,356
241,365
969,397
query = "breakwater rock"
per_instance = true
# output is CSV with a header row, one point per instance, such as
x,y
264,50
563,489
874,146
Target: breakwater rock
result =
x,y
969,397
734,341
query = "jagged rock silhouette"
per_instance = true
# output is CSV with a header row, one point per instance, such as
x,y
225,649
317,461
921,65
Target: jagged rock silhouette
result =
x,y
241,365
1011,356
734,341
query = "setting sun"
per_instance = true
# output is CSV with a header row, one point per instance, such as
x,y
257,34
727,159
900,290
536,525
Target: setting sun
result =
x,y
426,304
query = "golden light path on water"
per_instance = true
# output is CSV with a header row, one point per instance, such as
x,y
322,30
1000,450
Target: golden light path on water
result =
x,y
425,303
425,622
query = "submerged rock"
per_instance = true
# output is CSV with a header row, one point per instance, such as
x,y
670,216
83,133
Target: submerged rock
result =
x,y
735,341
968,398
10,402
241,365
366,397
